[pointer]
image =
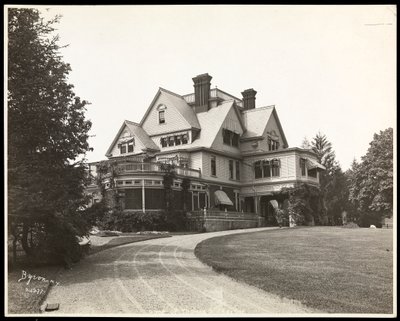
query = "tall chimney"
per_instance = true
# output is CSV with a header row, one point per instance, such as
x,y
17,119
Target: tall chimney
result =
x,y
202,84
249,98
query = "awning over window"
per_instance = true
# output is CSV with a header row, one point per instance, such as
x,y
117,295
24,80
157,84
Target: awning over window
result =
x,y
311,164
126,140
222,199
274,203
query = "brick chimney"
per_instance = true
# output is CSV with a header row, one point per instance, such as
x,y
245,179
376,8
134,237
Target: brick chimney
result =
x,y
202,84
249,98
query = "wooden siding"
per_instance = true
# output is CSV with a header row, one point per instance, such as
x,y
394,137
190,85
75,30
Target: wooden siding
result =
x,y
222,168
196,161
174,121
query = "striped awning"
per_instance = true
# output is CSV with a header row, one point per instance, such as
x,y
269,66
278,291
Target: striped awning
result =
x,y
274,203
222,199
311,164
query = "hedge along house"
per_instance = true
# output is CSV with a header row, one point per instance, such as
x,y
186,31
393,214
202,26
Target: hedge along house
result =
x,y
234,158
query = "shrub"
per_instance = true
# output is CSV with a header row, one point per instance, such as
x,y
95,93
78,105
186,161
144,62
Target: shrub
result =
x,y
351,225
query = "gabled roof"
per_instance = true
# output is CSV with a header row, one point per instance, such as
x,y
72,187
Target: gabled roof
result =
x,y
256,121
180,104
210,122
139,134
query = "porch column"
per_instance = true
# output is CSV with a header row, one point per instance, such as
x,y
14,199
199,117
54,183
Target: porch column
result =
x,y
257,205
143,198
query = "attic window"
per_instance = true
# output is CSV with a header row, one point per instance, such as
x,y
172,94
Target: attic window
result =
x,y
127,146
273,144
230,138
161,117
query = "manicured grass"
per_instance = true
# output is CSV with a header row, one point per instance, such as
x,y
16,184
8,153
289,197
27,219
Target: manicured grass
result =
x,y
333,269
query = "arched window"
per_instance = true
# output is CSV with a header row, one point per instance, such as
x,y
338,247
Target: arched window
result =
x,y
161,113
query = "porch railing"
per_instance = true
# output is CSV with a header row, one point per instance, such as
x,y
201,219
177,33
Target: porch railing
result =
x,y
155,167
221,214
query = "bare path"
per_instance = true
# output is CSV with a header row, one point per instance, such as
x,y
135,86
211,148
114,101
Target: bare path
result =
x,y
160,276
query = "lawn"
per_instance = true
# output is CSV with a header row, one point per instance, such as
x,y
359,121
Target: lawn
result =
x,y
332,269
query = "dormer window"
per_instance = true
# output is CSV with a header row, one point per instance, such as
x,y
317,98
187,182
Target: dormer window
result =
x,y
230,138
126,145
123,148
273,144
174,140
130,147
161,116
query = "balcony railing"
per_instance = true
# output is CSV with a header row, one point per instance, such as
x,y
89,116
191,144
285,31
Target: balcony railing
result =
x,y
155,167
214,93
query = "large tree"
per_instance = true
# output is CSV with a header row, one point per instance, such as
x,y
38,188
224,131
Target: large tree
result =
x,y
332,180
47,135
371,184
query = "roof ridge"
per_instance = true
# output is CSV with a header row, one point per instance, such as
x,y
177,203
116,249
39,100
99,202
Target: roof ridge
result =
x,y
170,92
258,108
132,122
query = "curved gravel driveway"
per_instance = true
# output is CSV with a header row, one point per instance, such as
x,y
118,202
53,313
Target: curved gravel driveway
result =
x,y
160,276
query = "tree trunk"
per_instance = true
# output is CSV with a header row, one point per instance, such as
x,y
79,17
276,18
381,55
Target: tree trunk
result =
x,y
24,240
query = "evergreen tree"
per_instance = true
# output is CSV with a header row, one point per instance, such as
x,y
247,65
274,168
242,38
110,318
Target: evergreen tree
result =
x,y
332,181
306,143
47,133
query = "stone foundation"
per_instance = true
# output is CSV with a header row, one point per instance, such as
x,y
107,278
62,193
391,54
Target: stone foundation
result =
x,y
222,223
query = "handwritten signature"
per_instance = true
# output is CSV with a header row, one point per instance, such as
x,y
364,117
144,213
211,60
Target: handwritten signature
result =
x,y
29,277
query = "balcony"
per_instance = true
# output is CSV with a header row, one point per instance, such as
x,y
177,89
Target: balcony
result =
x,y
137,168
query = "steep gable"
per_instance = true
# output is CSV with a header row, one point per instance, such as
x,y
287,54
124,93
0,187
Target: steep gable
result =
x,y
177,113
274,128
261,121
231,121
131,131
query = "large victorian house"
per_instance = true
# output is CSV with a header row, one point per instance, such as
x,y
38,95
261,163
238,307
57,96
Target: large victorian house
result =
x,y
235,155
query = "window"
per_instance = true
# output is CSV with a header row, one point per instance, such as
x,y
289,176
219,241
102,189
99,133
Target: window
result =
x,y
230,138
174,140
123,148
257,169
267,169
275,167
130,147
235,140
163,142
312,173
237,170
226,137
213,166
303,166
231,169
171,141
161,117
272,144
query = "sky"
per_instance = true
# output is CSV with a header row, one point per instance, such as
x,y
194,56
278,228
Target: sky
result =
x,y
328,69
